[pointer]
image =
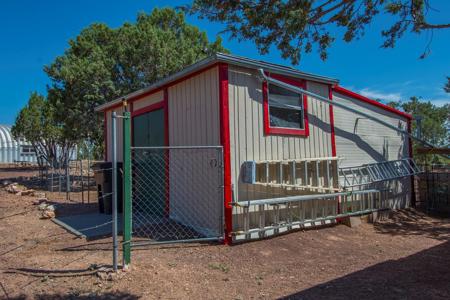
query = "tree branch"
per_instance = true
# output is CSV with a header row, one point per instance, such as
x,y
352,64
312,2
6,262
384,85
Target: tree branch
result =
x,y
432,26
320,14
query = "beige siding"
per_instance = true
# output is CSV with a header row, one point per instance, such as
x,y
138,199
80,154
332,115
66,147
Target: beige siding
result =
x,y
361,141
248,141
247,138
195,194
119,111
148,100
194,111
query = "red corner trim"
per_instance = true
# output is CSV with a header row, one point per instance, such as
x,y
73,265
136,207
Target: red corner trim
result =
x,y
333,141
352,94
410,149
225,142
279,130
333,135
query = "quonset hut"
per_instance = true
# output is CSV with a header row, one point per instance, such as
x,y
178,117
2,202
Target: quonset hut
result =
x,y
14,151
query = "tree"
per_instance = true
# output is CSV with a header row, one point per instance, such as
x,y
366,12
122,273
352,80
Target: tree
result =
x,y
36,123
447,86
102,64
435,120
296,26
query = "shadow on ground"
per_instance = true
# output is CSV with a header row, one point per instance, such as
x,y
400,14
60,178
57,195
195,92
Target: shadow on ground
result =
x,y
413,222
424,275
74,208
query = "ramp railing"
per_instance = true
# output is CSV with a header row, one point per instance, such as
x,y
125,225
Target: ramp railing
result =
x,y
266,217
376,172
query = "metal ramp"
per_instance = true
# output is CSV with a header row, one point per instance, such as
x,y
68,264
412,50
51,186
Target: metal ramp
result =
x,y
317,174
376,172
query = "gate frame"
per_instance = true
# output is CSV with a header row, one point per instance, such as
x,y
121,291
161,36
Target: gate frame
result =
x,y
127,189
221,166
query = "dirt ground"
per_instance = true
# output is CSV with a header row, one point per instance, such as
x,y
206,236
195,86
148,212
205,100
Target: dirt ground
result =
x,y
406,257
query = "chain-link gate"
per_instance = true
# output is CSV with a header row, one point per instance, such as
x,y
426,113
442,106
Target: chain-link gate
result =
x,y
177,194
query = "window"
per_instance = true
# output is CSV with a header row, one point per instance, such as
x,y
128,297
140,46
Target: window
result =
x,y
27,150
284,110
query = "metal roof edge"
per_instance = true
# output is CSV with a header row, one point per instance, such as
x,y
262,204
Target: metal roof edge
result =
x,y
276,68
220,57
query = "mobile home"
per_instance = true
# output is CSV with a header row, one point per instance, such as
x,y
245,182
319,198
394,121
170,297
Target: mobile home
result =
x,y
273,144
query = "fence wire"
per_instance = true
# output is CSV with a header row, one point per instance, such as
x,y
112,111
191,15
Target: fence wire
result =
x,y
177,194
433,192
74,182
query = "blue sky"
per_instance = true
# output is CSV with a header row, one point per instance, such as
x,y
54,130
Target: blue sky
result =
x,y
34,32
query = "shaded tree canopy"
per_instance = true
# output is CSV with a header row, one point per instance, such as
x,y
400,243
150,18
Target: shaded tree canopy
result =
x,y
102,63
434,120
296,26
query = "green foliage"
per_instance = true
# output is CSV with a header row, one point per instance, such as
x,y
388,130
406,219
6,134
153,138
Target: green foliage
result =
x,y
36,123
435,121
297,26
102,64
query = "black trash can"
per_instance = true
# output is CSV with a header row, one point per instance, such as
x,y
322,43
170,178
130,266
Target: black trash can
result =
x,y
103,179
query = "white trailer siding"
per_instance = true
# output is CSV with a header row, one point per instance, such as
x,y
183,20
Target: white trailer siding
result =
x,y
361,141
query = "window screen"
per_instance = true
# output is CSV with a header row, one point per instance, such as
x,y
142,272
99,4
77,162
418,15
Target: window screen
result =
x,y
285,108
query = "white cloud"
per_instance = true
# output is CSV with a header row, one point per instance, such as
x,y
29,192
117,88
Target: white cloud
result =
x,y
440,102
377,94
439,97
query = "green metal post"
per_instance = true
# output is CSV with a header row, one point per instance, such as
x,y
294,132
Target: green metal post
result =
x,y
126,189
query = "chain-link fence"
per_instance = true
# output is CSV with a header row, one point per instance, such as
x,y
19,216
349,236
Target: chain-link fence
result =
x,y
177,194
74,182
432,188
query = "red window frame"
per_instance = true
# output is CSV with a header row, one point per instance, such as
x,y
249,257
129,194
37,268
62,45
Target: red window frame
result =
x,y
269,130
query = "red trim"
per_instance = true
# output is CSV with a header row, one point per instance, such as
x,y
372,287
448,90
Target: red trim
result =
x,y
333,135
410,149
165,86
349,93
166,142
279,130
225,142
149,108
333,141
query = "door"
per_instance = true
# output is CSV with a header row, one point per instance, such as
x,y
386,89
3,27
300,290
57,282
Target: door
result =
x,y
149,173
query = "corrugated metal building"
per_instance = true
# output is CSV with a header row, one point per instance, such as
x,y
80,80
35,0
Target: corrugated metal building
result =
x,y
221,101
12,150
